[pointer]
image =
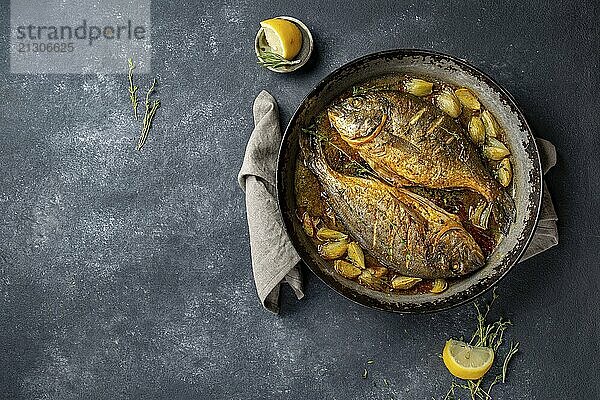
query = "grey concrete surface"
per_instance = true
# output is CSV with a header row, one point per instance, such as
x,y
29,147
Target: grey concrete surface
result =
x,y
127,275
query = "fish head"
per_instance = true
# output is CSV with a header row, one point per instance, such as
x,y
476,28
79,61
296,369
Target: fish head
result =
x,y
457,253
359,117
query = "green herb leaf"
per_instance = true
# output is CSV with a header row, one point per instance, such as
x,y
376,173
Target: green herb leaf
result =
x,y
360,90
132,88
514,348
360,170
269,59
150,111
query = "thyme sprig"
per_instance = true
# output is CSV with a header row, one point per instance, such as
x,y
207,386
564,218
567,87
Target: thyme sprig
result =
x,y
150,107
360,170
150,111
132,88
360,90
489,335
514,348
269,59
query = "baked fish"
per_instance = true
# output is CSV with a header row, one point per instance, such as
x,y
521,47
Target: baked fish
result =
x,y
410,142
405,232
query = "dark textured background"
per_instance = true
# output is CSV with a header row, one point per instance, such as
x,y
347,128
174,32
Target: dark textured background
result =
x,y
127,275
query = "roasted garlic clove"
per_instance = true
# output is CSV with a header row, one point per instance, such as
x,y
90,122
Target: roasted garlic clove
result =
x,y
496,143
480,216
475,213
467,98
377,271
418,87
366,277
476,130
504,172
326,234
448,103
495,153
316,221
333,250
495,149
346,269
439,285
356,255
404,282
330,214
307,224
491,126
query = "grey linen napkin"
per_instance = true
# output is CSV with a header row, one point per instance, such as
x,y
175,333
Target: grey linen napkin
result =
x,y
546,233
273,257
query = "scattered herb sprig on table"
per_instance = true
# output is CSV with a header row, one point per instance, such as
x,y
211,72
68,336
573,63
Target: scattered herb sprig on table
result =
x,y
132,88
150,106
490,335
150,110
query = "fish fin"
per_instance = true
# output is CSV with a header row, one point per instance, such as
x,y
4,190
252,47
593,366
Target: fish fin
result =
x,y
427,203
404,144
503,210
388,176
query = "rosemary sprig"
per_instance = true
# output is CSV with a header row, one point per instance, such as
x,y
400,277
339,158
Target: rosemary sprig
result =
x,y
450,395
360,170
273,60
132,88
150,111
360,90
150,107
514,348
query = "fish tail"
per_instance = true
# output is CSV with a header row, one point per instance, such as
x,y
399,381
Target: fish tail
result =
x,y
312,152
503,210
306,146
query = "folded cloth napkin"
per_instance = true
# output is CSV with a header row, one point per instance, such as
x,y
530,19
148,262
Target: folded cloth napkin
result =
x,y
546,233
273,257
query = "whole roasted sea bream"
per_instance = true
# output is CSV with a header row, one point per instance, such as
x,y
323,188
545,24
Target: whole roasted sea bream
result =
x,y
410,142
405,232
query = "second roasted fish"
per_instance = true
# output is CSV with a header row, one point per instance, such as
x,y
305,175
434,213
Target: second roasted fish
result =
x,y
402,230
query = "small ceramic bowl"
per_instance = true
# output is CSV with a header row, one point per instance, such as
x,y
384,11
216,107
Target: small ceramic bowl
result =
x,y
260,44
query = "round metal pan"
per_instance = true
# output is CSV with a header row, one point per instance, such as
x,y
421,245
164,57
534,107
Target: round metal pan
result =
x,y
527,178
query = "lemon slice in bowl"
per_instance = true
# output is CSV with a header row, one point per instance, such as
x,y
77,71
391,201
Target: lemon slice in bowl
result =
x,y
284,37
465,361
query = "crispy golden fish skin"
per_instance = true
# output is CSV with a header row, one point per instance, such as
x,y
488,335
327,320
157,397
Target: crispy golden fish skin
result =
x,y
410,142
402,230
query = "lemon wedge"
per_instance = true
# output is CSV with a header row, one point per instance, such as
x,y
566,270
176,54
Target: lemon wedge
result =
x,y
465,361
283,37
